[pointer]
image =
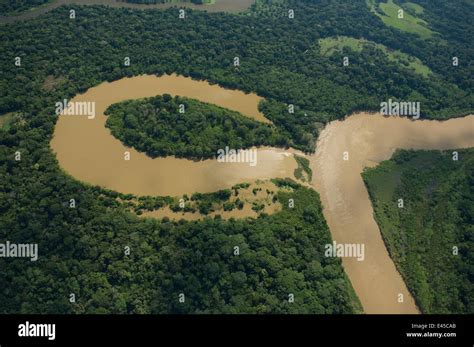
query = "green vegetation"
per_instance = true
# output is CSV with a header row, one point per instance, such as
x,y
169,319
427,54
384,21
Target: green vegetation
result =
x,y
82,252
270,8
6,120
414,8
277,59
331,45
205,202
389,14
155,126
82,249
13,7
202,203
303,172
437,215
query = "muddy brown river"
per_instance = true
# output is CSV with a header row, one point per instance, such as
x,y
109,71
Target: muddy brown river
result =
x,y
86,150
369,139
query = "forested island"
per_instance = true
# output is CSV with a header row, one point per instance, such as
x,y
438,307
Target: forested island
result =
x,y
429,233
187,128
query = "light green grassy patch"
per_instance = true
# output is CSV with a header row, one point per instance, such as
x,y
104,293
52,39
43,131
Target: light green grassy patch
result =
x,y
6,119
331,45
388,13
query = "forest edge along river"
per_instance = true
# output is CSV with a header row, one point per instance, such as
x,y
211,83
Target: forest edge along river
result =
x,y
87,150
232,6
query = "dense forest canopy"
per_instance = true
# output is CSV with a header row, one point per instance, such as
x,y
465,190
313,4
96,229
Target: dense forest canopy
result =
x,y
82,251
82,248
437,215
331,45
12,7
156,126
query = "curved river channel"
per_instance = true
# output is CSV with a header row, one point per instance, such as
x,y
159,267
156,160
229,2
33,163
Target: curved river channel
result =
x,y
86,150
